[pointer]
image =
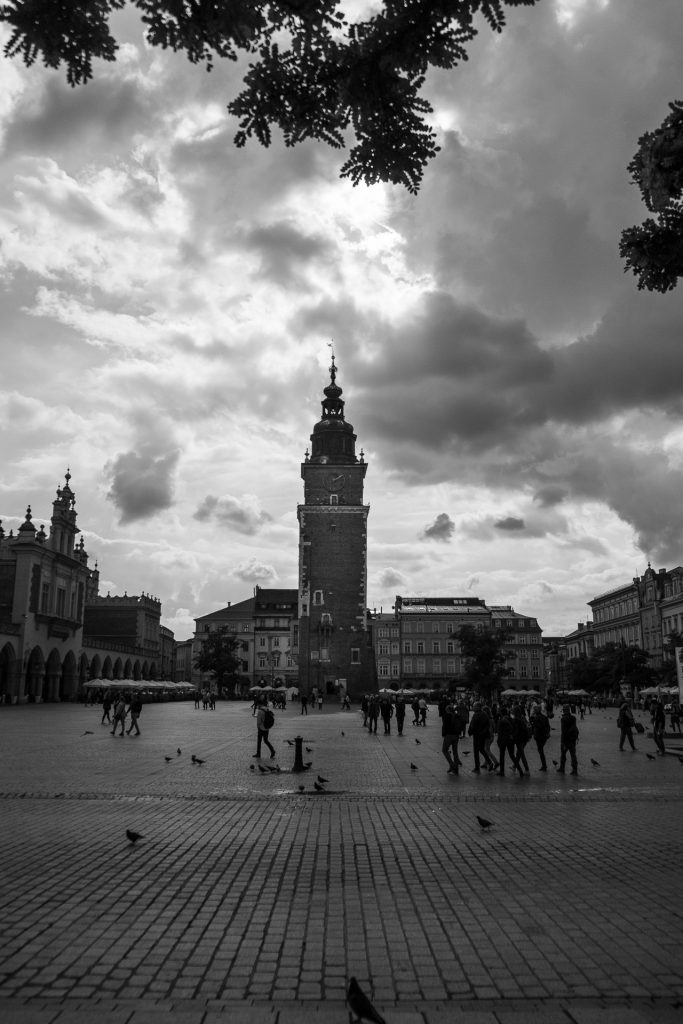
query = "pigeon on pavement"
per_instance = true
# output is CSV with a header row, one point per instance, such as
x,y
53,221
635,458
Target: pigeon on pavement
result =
x,y
484,823
132,837
167,759
596,764
179,751
321,779
360,1004
264,771
318,787
418,742
198,760
413,766
650,757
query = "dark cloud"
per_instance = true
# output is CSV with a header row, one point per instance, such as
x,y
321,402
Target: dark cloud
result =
x,y
550,495
285,251
441,529
241,515
141,482
510,524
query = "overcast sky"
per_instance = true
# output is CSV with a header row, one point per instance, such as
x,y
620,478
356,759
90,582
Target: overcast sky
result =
x,y
166,304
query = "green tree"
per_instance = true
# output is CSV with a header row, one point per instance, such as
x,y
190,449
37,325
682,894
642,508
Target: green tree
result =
x,y
654,250
218,656
314,74
486,658
617,664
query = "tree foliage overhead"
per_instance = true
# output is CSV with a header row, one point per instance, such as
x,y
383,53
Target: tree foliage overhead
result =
x,y
654,250
610,667
315,74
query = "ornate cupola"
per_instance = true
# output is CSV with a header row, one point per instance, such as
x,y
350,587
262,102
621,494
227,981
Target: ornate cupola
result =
x,y
63,527
333,439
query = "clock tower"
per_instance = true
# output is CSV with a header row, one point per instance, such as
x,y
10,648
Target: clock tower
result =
x,y
334,652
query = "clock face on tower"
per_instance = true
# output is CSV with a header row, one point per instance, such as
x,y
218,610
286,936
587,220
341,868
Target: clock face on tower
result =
x,y
334,482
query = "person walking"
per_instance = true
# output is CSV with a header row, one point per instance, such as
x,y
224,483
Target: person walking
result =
x,y
119,714
373,714
569,737
304,704
450,733
106,708
400,715
491,735
423,712
265,720
521,734
135,708
386,710
320,701
540,730
626,721
504,740
658,727
415,706
464,716
478,729
675,717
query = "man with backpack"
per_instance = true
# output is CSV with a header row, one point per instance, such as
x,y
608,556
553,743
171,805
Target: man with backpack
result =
x,y
265,720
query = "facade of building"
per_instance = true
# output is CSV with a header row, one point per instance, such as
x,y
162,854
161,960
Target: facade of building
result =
x,y
56,633
183,661
334,653
430,651
266,627
525,648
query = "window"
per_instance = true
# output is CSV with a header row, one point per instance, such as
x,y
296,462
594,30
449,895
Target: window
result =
x,y
449,627
262,641
450,647
382,631
383,649
245,627
324,654
276,641
355,655
450,666
436,647
383,669
317,597
45,597
334,500
534,671
61,601
523,671
407,646
436,665
407,664
394,630
420,647
262,661
421,665
435,627
394,647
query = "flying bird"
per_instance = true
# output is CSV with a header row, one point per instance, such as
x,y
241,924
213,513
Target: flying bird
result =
x,y
318,787
413,766
360,1004
596,764
321,779
167,759
484,823
132,837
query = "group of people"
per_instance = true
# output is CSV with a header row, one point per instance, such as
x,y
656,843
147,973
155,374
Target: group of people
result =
x,y
206,698
375,707
116,709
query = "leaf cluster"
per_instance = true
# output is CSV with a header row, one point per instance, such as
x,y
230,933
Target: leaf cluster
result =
x,y
218,654
654,249
315,74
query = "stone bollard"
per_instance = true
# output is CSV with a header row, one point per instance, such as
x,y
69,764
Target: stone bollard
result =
x,y
298,754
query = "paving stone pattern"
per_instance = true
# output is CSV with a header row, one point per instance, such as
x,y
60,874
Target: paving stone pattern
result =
x,y
249,900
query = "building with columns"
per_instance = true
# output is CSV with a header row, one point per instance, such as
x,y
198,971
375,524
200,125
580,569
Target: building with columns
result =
x,y
334,652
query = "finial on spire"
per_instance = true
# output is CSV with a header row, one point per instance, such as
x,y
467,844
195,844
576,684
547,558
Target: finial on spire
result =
x,y
333,368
